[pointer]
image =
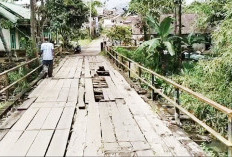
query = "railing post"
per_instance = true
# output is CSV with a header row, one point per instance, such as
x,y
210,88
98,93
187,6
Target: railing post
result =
x,y
153,84
122,60
230,134
7,84
116,55
140,74
129,71
177,111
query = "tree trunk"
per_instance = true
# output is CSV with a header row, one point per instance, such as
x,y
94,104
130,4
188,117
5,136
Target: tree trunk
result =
x,y
33,27
5,44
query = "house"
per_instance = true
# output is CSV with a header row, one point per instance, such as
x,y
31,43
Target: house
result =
x,y
19,18
20,29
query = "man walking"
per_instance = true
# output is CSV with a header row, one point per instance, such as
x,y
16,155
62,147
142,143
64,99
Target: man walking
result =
x,y
47,50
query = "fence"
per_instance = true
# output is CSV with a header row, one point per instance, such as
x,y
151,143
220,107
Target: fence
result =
x,y
124,62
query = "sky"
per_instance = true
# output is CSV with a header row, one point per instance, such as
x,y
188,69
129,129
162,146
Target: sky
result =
x,y
112,3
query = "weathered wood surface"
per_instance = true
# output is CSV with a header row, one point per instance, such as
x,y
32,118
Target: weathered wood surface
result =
x,y
62,118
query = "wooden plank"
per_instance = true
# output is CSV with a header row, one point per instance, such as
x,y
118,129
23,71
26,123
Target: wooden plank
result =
x,y
26,104
21,147
133,131
77,141
52,119
155,141
25,120
87,69
120,131
58,143
89,94
47,91
108,134
146,153
39,119
75,83
81,103
70,104
3,133
106,93
41,143
79,68
41,87
113,89
8,141
73,95
63,95
67,83
66,119
93,135
11,120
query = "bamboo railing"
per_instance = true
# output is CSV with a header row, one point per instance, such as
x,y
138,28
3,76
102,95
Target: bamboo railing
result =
x,y
122,61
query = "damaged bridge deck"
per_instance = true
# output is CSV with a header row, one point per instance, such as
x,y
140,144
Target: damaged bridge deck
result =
x,y
81,113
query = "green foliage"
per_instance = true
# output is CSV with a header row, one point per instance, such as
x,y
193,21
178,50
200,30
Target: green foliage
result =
x,y
193,39
143,7
155,49
95,4
119,33
67,16
212,151
6,24
16,75
27,45
210,12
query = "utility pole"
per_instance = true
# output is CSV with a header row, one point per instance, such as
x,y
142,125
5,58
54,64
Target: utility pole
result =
x,y
90,18
33,26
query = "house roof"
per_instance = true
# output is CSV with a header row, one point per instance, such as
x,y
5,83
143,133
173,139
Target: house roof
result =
x,y
189,23
14,12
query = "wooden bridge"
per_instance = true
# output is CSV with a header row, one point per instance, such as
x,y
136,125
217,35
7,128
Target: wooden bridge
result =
x,y
89,109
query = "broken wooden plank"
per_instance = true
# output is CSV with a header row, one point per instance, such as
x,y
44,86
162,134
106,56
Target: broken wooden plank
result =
x,y
77,141
89,94
81,103
108,134
26,104
93,134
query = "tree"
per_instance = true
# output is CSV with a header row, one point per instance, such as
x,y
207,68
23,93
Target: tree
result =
x,y
94,5
150,7
66,17
120,33
211,12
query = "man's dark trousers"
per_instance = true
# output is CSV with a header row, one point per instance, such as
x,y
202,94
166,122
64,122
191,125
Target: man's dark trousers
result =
x,y
49,64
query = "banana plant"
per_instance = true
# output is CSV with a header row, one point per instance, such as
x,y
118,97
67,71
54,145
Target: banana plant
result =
x,y
156,48
163,41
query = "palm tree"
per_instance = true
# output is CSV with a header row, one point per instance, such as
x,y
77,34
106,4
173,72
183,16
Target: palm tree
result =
x,y
158,47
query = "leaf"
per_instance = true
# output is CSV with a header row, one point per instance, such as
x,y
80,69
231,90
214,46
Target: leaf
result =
x,y
142,46
165,27
153,44
170,48
153,22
